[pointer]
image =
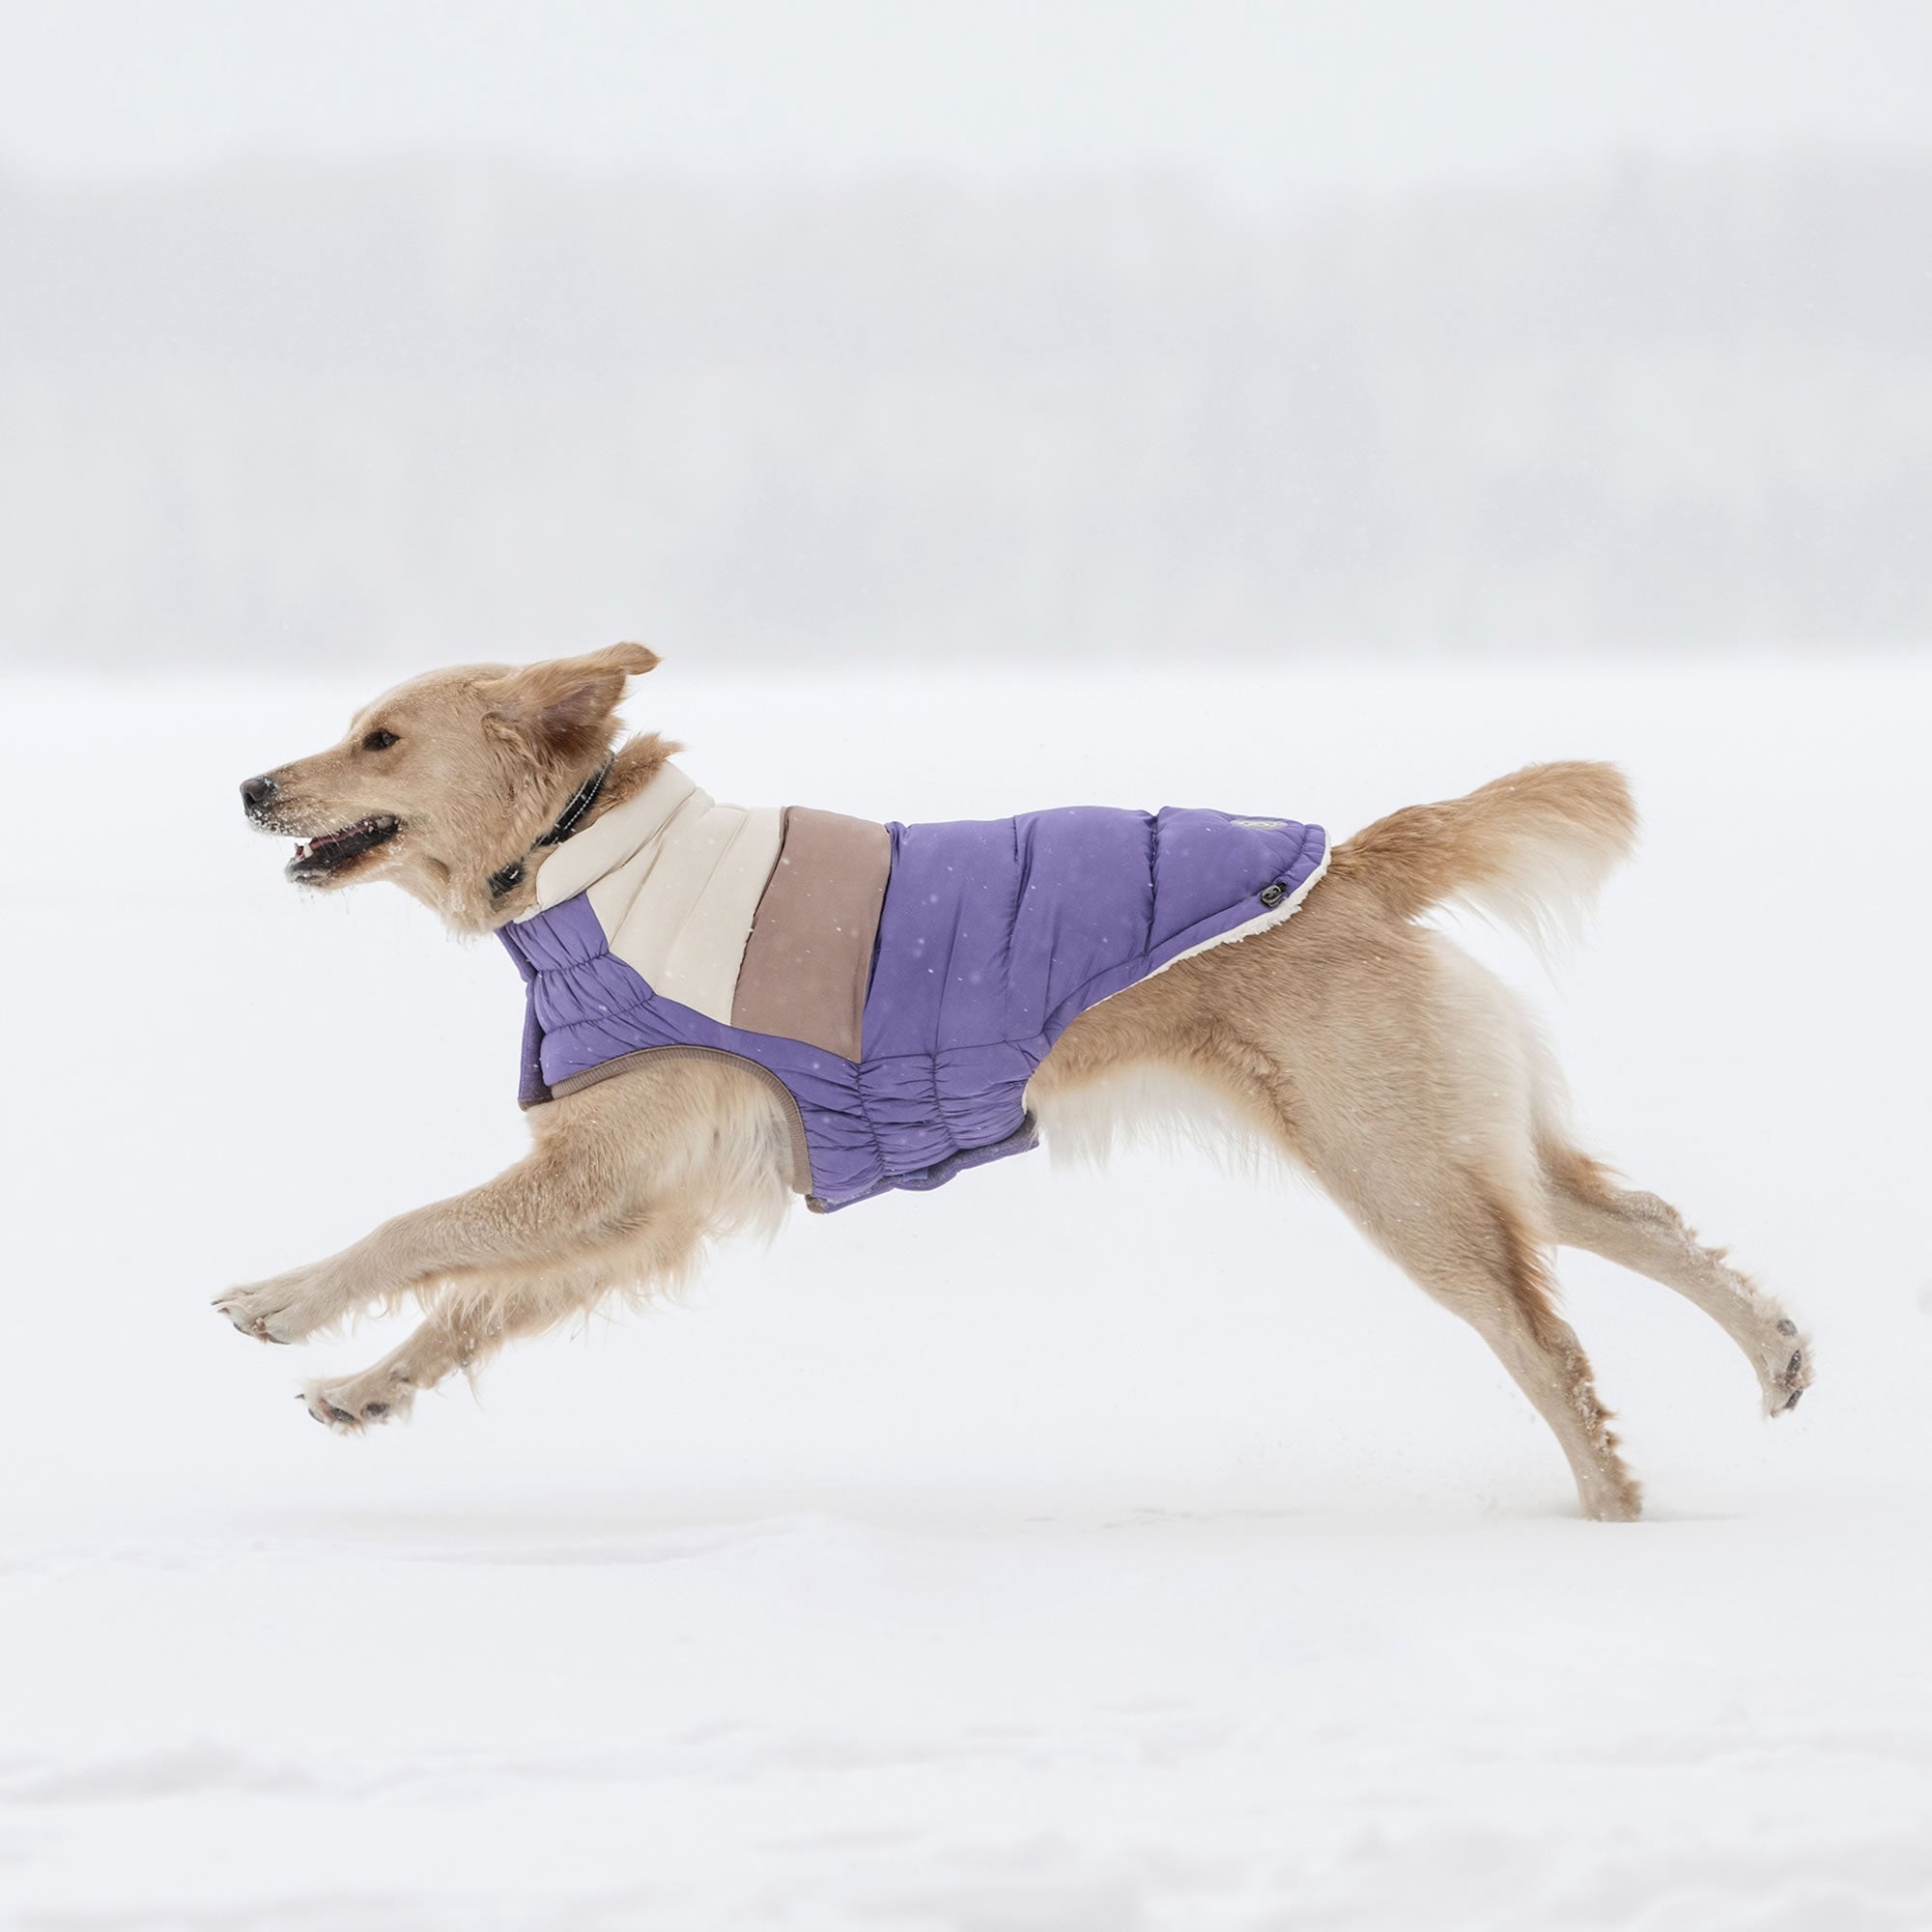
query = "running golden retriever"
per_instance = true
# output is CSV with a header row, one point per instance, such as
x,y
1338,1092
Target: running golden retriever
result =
x,y
1352,1038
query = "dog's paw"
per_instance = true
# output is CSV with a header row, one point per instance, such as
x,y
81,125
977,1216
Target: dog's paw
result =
x,y
281,1310
249,1309
354,1403
1785,1367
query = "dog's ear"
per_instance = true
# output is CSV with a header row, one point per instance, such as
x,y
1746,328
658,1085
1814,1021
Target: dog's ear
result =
x,y
563,707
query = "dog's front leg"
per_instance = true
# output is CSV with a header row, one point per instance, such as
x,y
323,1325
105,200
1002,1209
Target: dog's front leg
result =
x,y
388,1391
560,1197
476,1314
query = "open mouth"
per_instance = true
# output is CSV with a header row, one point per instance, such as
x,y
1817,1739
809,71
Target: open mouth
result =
x,y
329,852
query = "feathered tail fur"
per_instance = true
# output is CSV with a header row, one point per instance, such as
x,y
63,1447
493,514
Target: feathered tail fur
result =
x,y
1529,851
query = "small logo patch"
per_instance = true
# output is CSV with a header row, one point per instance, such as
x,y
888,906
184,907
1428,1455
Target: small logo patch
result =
x,y
1261,824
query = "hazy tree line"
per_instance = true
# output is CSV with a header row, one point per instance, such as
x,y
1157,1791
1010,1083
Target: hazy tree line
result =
x,y
433,409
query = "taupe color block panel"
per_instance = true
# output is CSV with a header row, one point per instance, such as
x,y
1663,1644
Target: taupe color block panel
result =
x,y
809,956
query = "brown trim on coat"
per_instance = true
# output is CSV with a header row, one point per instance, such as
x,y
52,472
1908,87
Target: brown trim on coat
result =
x,y
808,957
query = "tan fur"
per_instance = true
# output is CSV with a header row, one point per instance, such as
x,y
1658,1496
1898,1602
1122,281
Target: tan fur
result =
x,y
1353,1042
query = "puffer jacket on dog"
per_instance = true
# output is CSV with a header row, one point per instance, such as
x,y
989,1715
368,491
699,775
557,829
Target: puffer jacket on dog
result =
x,y
895,984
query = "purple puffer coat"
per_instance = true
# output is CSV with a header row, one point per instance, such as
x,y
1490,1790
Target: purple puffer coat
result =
x,y
962,958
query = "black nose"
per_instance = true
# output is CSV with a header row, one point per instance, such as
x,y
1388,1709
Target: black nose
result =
x,y
256,793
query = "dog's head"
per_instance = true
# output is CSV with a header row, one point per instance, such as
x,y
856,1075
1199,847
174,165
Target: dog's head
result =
x,y
445,780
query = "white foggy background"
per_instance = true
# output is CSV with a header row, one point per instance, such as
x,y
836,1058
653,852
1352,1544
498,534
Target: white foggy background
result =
x,y
402,333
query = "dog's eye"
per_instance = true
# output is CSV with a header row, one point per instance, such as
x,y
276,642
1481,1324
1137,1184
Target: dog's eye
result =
x,y
378,741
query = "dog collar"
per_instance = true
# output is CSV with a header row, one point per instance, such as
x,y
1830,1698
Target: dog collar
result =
x,y
568,820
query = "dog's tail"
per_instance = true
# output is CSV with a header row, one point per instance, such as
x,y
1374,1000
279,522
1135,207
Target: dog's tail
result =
x,y
1529,851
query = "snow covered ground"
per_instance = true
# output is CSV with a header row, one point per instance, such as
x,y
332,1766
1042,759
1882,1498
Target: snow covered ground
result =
x,y
1057,1553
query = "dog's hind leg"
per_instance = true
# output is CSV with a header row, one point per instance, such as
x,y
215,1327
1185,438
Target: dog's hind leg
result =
x,y
1400,1075
1474,1253
1588,1209
1415,1109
